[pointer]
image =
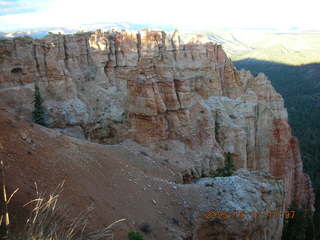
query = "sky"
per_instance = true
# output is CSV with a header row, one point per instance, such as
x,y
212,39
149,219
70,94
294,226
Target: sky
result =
x,y
193,14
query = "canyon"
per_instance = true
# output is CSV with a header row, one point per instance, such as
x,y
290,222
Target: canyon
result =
x,y
165,106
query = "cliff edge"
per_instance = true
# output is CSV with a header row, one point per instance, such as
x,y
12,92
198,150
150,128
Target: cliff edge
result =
x,y
179,97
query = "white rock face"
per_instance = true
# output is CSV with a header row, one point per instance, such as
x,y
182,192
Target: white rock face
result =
x,y
181,98
244,206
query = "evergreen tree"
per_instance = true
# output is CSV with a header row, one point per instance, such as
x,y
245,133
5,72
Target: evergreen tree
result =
x,y
228,168
38,114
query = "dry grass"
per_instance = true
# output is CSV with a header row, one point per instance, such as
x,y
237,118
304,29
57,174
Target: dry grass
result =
x,y
50,220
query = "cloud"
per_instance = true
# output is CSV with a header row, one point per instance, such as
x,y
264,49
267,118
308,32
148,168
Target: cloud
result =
x,y
21,6
18,14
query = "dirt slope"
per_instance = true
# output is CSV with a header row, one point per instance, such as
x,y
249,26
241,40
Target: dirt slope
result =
x,y
118,182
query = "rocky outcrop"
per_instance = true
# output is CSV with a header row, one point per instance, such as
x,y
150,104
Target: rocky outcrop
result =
x,y
127,181
248,205
280,149
181,98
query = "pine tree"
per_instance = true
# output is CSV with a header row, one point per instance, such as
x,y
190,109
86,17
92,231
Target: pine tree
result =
x,y
38,114
228,168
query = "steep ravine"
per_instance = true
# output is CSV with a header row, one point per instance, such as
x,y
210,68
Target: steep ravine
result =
x,y
180,99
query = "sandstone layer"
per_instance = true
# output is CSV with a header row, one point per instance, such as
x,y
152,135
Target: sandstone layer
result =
x,y
180,99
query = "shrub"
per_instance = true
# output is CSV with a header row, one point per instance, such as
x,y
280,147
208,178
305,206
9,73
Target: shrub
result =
x,y
135,236
50,221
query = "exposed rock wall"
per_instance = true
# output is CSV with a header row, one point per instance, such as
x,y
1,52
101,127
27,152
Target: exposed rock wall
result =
x,y
180,97
128,181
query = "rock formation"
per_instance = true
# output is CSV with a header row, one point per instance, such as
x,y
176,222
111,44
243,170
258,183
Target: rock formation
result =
x,y
241,202
179,97
127,181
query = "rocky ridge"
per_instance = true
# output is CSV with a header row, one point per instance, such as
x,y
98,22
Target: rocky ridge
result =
x,y
181,98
